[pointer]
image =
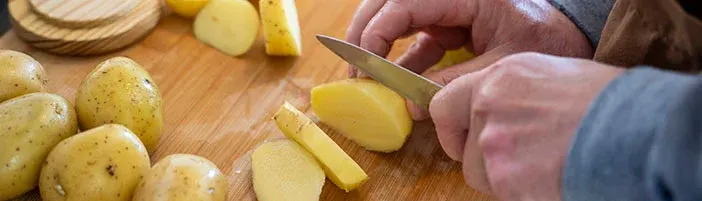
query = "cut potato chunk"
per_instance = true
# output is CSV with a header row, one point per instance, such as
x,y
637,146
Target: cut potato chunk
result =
x,y
453,57
339,167
364,111
282,170
280,27
230,26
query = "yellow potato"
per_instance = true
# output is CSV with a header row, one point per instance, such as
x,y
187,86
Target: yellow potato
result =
x,y
364,111
186,8
104,163
30,126
182,177
231,26
339,167
280,27
120,91
453,57
282,170
20,74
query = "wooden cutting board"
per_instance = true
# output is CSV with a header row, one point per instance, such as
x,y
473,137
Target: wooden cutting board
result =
x,y
220,107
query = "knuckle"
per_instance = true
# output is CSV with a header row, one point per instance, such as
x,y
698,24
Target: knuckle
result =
x,y
495,140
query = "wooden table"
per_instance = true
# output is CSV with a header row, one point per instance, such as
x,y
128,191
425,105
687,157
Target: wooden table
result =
x,y
220,107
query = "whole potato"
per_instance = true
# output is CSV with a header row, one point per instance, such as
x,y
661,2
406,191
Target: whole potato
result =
x,y
119,91
103,163
30,126
182,177
20,74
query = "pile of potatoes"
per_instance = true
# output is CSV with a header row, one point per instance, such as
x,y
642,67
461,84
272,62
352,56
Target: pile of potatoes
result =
x,y
97,150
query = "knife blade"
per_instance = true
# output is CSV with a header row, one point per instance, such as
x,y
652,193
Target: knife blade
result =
x,y
412,86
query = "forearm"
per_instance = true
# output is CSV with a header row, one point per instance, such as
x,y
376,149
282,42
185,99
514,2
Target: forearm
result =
x,y
639,141
589,15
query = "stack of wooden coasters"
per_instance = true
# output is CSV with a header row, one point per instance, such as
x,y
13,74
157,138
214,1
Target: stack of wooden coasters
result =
x,y
83,27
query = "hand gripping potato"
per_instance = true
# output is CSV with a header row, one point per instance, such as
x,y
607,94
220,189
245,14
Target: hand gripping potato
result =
x,y
182,177
364,111
280,27
339,167
20,74
30,126
231,26
119,91
103,163
282,170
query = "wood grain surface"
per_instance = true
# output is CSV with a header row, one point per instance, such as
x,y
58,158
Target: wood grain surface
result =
x,y
82,13
220,107
62,40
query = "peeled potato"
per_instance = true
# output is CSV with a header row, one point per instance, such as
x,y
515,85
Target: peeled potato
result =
x,y
364,111
453,57
230,26
340,168
282,170
280,27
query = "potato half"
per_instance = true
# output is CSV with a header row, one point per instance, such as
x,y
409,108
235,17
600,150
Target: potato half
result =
x,y
282,170
104,163
339,166
30,126
182,177
230,26
281,27
20,74
365,111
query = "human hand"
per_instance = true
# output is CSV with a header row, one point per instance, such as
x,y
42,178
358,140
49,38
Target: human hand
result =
x,y
511,124
491,29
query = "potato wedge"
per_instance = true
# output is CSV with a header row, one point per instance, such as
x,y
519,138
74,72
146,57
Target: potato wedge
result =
x,y
282,170
339,166
365,111
120,91
31,125
104,163
281,27
231,26
20,74
182,177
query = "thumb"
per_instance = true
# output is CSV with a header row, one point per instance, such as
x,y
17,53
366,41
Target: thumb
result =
x,y
445,76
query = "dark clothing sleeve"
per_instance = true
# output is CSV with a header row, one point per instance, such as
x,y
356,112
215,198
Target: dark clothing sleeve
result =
x,y
640,140
589,15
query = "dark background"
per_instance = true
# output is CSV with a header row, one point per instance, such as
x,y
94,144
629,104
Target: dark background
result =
x,y
4,19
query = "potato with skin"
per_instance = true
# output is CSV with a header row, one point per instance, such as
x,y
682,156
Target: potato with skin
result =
x,y
120,91
281,27
364,111
30,126
186,8
338,166
182,177
103,163
230,26
20,74
282,170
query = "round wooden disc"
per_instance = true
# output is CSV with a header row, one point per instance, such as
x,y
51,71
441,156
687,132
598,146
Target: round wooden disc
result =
x,y
82,13
58,39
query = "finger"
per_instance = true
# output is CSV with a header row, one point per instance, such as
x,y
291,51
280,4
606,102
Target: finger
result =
x,y
430,46
363,15
445,76
397,17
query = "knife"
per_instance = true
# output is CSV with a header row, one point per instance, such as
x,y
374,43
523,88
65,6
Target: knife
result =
x,y
412,86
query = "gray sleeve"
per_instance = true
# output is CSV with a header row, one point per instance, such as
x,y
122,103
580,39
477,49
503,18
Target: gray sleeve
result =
x,y
589,15
640,140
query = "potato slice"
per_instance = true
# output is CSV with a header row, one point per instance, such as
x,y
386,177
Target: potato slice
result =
x,y
280,27
339,166
364,111
282,170
182,177
230,26
103,163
